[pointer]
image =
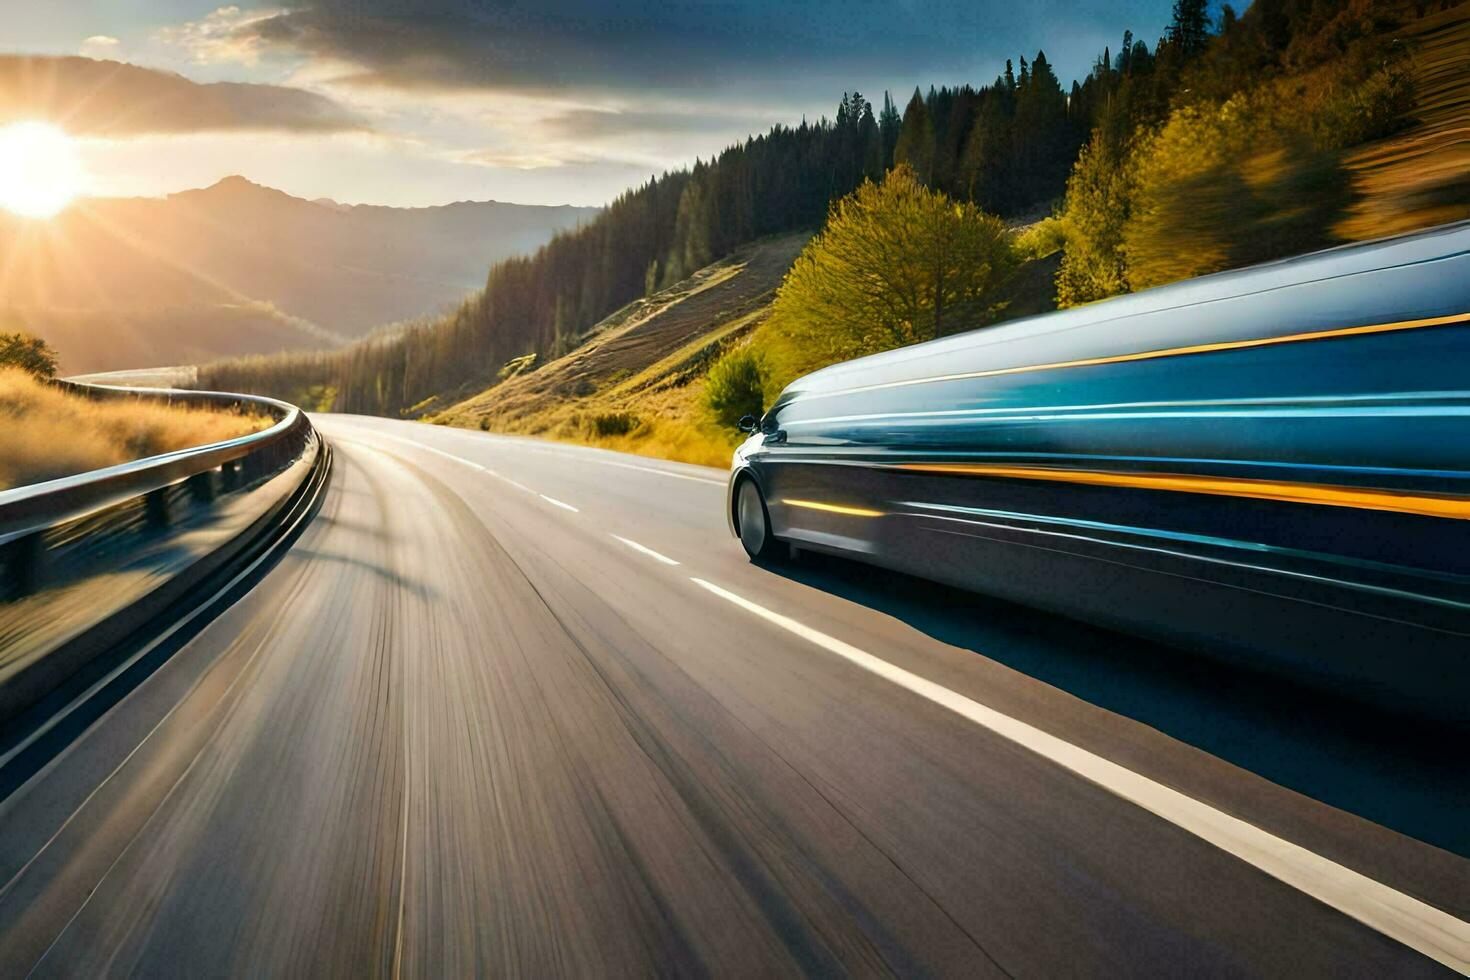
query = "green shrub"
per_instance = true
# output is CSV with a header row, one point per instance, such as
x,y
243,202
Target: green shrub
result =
x,y
735,386
606,424
31,354
1046,237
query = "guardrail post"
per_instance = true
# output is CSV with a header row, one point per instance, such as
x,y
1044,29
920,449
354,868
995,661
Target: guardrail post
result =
x,y
155,507
229,475
201,487
21,561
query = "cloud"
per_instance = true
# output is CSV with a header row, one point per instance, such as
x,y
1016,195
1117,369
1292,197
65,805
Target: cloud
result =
x,y
526,85
556,46
691,46
520,159
225,35
100,46
110,98
596,124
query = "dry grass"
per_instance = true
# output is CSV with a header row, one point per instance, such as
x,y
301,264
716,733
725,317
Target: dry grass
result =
x,y
46,433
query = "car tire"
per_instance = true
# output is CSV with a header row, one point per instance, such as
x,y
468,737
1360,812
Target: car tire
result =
x,y
754,522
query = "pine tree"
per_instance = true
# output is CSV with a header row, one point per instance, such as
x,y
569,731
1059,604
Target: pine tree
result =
x,y
1189,30
889,124
915,145
870,145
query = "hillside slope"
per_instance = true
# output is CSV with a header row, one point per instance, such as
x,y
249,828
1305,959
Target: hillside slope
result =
x,y
635,381
237,268
1420,176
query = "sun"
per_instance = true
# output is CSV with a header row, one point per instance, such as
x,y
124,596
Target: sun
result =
x,y
40,171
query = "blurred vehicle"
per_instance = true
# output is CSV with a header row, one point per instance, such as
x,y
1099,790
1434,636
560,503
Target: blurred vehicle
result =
x,y
1272,464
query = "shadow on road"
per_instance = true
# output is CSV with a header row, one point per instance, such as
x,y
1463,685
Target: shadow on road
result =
x,y
1401,773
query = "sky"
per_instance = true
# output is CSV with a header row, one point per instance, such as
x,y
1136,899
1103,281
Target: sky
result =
x,y
420,102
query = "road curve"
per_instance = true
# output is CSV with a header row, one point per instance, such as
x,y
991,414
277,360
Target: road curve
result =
x,y
523,708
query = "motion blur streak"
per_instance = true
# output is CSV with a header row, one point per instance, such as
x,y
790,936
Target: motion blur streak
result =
x,y
458,731
1299,493
1372,328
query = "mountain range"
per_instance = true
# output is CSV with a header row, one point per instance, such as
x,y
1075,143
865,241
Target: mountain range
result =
x,y
237,268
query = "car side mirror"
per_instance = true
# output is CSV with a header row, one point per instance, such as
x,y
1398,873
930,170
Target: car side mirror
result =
x,y
748,423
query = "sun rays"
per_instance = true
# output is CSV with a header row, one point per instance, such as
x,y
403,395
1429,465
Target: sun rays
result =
x,y
40,170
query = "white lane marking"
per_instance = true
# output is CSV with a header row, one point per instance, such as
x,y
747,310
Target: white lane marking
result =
x,y
440,452
469,463
655,469
1416,924
645,550
431,449
518,486
562,504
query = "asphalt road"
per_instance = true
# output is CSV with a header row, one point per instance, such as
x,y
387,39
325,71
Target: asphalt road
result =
x,y
524,708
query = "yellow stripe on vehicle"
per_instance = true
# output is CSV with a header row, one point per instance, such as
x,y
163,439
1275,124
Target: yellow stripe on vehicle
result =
x,y
1428,505
832,508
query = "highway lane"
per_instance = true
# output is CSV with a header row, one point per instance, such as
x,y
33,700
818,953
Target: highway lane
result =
x,y
509,706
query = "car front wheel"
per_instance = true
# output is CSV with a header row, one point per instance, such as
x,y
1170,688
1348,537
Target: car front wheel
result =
x,y
754,522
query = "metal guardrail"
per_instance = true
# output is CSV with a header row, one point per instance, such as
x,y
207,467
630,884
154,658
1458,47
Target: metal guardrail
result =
x,y
28,513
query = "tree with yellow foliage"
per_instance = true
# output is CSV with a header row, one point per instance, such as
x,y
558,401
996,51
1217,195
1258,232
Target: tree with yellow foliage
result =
x,y
896,263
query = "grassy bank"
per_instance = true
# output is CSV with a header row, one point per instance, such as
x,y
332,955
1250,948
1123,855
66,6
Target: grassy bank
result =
x,y
50,433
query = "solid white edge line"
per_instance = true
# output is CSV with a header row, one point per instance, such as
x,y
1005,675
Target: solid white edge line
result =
x,y
559,503
440,452
586,457
472,465
659,472
431,449
590,456
644,549
1416,924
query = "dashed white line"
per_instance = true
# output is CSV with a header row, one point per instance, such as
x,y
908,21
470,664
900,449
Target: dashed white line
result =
x,y
645,550
1420,926
642,549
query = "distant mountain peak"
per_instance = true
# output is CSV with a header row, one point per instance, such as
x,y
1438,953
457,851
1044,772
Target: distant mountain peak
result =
x,y
237,183
235,187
